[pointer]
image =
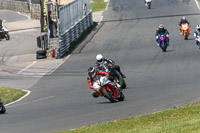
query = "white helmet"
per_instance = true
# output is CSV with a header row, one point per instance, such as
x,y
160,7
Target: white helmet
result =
x,y
99,57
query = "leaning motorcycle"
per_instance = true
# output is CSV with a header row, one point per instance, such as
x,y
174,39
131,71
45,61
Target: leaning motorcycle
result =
x,y
185,30
2,108
103,86
163,40
148,2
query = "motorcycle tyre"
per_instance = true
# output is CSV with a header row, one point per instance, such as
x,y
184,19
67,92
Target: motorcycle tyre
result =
x,y
149,5
186,37
41,52
109,96
3,110
121,97
164,48
7,37
124,85
41,57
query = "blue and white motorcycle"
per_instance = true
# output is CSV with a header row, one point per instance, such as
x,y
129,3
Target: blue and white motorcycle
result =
x,y
163,41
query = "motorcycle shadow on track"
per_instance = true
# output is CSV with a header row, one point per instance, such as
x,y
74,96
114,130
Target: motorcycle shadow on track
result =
x,y
172,50
107,102
189,39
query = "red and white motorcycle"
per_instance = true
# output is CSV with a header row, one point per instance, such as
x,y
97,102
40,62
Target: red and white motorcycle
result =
x,y
105,88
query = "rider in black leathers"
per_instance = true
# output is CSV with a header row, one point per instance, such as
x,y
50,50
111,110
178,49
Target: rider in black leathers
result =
x,y
161,30
101,61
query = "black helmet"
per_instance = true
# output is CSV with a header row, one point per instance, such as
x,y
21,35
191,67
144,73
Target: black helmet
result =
x,y
92,72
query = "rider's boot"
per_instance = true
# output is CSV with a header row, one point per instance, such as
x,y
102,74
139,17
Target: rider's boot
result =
x,y
95,94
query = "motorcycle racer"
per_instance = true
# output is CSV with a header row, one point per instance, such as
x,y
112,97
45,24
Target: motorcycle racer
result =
x,y
161,30
197,32
146,1
92,73
183,20
101,60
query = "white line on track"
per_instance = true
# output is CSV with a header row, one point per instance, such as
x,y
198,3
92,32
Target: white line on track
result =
x,y
24,15
45,98
107,4
59,65
101,19
26,67
28,92
197,4
104,10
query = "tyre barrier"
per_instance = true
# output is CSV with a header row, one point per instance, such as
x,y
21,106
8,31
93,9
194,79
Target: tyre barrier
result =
x,y
41,54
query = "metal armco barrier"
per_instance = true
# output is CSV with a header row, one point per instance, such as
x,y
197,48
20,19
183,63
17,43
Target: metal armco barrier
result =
x,y
74,33
74,19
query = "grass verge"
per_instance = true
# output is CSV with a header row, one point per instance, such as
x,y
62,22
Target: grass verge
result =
x,y
82,37
9,95
98,5
185,119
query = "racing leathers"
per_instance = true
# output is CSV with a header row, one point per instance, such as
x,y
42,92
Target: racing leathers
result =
x,y
181,21
162,31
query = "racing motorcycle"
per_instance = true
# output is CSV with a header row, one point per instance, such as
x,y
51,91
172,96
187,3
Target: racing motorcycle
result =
x,y
198,40
148,3
2,108
163,40
103,86
185,30
117,77
4,34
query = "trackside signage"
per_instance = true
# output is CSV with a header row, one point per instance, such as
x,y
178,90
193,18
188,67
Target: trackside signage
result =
x,y
43,19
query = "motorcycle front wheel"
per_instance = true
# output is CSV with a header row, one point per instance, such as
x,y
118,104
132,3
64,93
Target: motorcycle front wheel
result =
x,y
109,96
121,97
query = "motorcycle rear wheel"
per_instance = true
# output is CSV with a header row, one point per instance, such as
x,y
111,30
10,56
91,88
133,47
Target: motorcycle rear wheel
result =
x,y
3,110
149,5
7,37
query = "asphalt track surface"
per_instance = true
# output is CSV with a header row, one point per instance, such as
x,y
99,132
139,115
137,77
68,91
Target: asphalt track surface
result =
x,y
11,16
156,80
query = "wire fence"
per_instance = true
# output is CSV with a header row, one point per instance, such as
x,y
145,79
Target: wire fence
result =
x,y
72,13
74,19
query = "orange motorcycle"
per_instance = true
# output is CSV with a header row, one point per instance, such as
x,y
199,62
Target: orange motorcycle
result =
x,y
185,30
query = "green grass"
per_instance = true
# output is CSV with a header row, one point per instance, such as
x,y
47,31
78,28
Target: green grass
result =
x,y
184,119
9,95
98,5
82,37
